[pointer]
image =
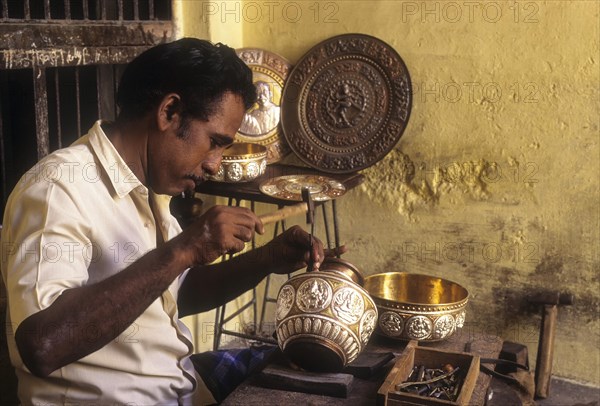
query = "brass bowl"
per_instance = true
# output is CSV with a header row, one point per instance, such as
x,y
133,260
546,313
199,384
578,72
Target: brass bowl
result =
x,y
417,307
242,162
324,319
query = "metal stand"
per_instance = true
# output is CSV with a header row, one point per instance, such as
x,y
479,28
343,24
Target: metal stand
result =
x,y
266,297
220,319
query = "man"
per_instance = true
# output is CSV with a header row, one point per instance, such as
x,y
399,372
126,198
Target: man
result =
x,y
99,273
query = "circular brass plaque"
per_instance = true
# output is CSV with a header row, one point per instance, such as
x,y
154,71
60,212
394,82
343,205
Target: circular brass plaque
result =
x,y
346,103
322,188
261,124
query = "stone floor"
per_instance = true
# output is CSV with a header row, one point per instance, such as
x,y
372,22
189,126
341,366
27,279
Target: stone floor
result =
x,y
568,393
562,393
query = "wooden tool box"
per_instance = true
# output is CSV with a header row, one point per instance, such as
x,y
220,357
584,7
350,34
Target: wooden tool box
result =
x,y
430,358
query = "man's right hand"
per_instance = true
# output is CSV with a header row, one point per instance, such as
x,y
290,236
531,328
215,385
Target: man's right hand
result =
x,y
220,230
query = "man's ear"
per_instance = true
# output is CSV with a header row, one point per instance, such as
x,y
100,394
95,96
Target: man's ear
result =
x,y
169,111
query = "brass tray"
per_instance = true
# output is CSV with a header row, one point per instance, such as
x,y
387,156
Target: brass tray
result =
x,y
346,103
261,124
322,188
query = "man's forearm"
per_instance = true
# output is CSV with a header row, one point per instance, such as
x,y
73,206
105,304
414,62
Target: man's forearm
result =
x,y
207,287
59,334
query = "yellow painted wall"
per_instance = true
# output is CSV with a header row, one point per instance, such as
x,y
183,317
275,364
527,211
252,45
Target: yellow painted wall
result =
x,y
504,141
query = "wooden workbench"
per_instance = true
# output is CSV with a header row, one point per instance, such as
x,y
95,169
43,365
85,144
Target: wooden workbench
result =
x,y
364,391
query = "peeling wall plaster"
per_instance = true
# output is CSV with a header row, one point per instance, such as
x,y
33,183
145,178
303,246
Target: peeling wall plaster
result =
x,y
392,182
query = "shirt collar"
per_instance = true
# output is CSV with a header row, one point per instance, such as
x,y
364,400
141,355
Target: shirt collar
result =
x,y
119,174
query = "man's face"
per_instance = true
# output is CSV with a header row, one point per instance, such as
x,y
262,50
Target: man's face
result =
x,y
263,94
176,163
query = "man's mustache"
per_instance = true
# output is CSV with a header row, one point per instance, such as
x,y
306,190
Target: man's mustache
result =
x,y
197,181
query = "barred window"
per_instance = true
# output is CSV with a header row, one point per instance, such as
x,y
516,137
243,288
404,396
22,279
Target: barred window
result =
x,y
60,62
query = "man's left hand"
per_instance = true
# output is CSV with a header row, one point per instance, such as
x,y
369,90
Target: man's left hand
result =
x,y
294,249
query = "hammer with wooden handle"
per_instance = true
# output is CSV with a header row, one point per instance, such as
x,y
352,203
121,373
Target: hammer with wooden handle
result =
x,y
306,206
543,366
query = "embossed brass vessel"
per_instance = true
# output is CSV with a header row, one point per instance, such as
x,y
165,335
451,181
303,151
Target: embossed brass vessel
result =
x,y
324,318
417,307
242,162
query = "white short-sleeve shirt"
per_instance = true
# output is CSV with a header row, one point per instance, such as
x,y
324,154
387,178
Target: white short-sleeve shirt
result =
x,y
77,217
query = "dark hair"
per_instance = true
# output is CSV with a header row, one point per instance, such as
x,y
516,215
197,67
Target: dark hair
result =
x,y
197,70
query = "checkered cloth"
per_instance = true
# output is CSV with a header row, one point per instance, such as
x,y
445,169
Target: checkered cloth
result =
x,y
222,371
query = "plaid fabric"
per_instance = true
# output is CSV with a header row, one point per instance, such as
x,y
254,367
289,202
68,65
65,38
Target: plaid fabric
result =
x,y
222,371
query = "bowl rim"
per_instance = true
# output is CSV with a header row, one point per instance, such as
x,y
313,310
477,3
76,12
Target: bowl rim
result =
x,y
434,306
245,151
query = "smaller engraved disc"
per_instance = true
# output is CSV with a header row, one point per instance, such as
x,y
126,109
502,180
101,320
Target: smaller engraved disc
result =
x,y
322,188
